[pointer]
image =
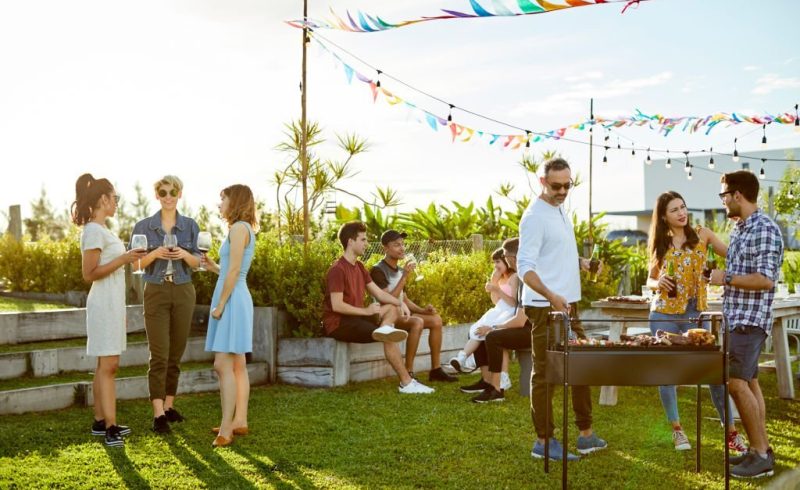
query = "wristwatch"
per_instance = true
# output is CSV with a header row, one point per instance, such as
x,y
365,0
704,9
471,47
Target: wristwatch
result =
x,y
728,278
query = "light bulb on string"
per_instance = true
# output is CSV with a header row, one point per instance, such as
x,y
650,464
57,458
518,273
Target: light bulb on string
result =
x,y
689,175
796,119
619,147
669,161
633,153
762,175
764,137
711,159
450,113
688,166
789,192
378,79
527,151
735,152
648,160
605,155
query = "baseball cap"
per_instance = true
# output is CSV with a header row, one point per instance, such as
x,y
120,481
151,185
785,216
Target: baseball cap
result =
x,y
392,235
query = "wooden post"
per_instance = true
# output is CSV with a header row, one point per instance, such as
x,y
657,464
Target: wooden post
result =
x,y
591,153
15,222
304,133
477,242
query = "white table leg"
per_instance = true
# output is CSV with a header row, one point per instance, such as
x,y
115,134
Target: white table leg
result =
x,y
783,367
608,394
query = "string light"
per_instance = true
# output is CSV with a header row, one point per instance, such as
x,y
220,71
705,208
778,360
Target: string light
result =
x,y
527,150
735,152
619,147
762,175
605,155
633,153
688,166
764,137
378,79
648,161
689,175
450,113
711,160
789,192
796,119
669,161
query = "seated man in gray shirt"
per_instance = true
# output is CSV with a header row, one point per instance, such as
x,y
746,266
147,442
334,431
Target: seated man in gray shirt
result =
x,y
388,276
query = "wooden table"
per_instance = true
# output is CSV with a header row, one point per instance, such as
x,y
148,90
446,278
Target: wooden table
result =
x,y
783,310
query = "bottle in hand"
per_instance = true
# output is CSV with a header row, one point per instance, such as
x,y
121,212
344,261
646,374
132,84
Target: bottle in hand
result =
x,y
711,262
594,263
673,293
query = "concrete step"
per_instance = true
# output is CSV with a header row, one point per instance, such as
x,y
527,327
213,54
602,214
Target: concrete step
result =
x,y
57,396
47,362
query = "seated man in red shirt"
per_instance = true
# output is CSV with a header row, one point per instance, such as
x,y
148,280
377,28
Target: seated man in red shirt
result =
x,y
346,318
392,279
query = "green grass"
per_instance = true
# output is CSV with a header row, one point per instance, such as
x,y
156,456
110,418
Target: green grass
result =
x,y
72,377
24,305
366,435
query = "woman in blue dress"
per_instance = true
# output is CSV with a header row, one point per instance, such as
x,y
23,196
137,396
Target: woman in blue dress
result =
x,y
230,328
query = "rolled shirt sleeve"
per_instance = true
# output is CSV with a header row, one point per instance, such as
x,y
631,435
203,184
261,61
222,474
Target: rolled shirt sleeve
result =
x,y
769,253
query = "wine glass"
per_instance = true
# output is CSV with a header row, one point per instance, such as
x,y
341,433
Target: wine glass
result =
x,y
410,259
170,241
203,245
139,242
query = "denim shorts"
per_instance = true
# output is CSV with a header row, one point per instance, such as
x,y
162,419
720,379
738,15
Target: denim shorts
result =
x,y
745,342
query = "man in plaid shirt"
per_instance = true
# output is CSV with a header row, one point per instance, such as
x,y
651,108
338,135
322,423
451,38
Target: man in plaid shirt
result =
x,y
753,263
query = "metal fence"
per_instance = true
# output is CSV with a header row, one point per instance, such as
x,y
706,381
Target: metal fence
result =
x,y
421,249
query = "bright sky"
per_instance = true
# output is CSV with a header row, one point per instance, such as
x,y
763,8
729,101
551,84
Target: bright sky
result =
x,y
201,89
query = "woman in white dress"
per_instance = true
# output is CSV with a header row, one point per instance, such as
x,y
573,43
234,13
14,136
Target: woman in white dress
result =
x,y
103,257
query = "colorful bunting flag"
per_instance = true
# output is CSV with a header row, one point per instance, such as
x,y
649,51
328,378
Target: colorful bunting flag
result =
x,y
500,8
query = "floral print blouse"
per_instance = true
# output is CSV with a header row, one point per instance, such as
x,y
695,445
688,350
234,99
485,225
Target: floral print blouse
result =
x,y
688,264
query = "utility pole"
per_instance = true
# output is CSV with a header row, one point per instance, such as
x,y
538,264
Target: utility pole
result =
x,y
591,153
304,132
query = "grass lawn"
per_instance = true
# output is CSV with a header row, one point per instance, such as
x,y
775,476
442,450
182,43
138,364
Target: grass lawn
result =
x,y
8,305
366,435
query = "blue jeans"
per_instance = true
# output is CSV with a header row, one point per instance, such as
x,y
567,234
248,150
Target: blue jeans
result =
x,y
677,324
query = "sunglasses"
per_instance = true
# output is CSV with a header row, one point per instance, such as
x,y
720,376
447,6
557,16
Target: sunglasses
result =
x,y
171,192
558,187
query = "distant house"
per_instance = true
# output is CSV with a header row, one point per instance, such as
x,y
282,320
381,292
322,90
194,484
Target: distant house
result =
x,y
701,192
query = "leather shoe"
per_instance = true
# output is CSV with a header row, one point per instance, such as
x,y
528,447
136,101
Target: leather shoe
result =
x,y
239,431
222,441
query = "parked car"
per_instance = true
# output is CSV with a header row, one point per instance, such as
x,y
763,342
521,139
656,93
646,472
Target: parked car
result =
x,y
629,238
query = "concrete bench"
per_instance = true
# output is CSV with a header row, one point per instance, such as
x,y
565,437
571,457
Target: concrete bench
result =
x,y
525,358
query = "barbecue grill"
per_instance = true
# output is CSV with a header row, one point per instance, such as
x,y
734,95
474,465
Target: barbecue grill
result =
x,y
622,365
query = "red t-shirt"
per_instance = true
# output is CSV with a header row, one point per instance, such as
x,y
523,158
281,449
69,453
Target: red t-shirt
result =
x,y
349,279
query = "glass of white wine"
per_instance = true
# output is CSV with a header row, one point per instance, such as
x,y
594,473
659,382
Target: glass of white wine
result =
x,y
410,259
203,245
139,242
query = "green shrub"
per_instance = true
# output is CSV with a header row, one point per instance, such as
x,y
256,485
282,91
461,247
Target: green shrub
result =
x,y
44,266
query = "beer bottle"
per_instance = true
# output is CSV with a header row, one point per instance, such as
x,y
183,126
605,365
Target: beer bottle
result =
x,y
671,275
594,263
711,262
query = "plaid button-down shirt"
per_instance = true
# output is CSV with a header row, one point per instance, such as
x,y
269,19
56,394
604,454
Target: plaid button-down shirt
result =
x,y
756,246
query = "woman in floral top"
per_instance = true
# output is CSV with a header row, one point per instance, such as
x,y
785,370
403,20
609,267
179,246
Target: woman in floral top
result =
x,y
672,239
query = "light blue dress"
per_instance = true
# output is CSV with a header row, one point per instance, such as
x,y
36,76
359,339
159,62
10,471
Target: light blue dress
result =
x,y
233,332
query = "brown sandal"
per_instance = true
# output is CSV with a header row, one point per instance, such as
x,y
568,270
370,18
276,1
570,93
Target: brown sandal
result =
x,y
222,441
239,431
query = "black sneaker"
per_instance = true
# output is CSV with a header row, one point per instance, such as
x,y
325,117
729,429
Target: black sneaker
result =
x,y
489,395
174,416
161,425
438,374
754,466
113,437
734,460
476,387
99,428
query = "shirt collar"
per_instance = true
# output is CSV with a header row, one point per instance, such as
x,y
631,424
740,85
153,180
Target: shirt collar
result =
x,y
155,221
744,225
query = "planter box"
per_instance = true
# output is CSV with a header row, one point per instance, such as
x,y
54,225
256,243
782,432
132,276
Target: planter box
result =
x,y
325,362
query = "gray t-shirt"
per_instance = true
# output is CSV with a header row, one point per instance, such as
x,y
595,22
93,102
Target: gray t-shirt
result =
x,y
385,276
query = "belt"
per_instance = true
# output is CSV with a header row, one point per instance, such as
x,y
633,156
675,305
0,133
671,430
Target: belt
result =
x,y
169,278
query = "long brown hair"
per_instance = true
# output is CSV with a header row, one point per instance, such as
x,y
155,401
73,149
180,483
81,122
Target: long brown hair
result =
x,y
241,205
88,192
660,238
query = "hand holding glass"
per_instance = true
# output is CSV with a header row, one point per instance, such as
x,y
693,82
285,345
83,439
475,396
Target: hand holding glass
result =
x,y
139,242
170,241
410,259
203,245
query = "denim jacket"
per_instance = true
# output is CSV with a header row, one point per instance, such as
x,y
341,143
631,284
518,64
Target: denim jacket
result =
x,y
186,229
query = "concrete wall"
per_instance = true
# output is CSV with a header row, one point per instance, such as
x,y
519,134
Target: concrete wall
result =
x,y
18,328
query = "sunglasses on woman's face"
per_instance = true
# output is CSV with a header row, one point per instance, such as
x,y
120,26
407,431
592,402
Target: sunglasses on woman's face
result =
x,y
171,192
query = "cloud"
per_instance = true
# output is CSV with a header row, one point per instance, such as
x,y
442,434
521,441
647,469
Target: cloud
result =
x,y
592,75
771,82
751,68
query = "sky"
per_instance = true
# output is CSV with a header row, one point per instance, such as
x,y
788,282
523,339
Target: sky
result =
x,y
202,89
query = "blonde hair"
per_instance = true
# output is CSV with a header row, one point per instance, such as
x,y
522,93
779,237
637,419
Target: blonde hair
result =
x,y
172,180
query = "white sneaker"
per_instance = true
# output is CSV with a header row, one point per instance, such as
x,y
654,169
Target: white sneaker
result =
x,y
388,333
470,365
505,381
415,388
459,361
